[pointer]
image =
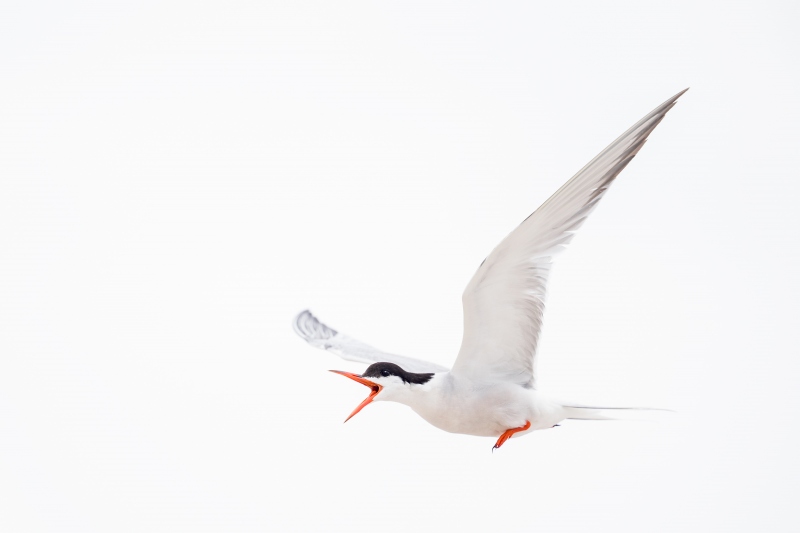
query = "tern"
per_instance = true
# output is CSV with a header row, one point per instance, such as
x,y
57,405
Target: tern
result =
x,y
490,390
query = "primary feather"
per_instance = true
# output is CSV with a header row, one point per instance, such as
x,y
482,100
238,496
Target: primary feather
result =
x,y
504,301
321,336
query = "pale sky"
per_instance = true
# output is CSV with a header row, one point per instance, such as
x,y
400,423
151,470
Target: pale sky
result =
x,y
179,179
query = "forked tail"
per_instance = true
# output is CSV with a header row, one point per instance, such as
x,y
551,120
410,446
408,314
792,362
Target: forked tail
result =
x,y
585,412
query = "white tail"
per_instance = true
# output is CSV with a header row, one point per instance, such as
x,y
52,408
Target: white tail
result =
x,y
585,412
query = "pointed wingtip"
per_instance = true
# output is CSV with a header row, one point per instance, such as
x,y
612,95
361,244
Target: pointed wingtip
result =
x,y
667,105
680,93
661,110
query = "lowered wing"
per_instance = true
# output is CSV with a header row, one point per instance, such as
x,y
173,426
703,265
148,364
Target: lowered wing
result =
x,y
321,336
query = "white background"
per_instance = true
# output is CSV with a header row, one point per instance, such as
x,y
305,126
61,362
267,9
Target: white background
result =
x,y
177,180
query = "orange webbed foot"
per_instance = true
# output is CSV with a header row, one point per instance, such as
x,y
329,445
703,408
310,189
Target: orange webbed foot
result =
x,y
507,434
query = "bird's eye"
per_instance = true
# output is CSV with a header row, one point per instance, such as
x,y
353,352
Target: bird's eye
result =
x,y
385,373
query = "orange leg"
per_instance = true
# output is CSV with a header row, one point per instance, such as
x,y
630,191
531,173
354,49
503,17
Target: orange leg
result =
x,y
507,435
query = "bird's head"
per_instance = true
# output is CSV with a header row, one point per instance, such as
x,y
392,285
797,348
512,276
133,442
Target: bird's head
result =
x,y
387,381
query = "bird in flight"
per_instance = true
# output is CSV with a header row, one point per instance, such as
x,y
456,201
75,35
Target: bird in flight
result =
x,y
491,389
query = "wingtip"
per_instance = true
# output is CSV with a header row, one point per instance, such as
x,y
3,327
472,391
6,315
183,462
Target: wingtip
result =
x,y
669,103
309,328
674,99
300,321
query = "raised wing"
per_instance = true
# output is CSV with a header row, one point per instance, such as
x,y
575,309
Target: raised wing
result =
x,y
321,336
504,301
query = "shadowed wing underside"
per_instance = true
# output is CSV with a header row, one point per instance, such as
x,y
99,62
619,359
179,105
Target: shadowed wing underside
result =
x,y
504,301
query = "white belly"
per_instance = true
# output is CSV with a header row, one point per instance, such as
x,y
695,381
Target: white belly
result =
x,y
485,409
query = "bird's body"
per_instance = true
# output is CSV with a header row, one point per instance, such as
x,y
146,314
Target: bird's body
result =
x,y
484,409
491,389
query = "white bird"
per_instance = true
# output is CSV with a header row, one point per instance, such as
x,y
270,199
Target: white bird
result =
x,y
491,388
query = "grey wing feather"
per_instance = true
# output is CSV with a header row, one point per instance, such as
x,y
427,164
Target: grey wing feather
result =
x,y
504,301
324,337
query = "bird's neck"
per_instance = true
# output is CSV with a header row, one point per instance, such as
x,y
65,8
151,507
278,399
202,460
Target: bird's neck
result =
x,y
420,395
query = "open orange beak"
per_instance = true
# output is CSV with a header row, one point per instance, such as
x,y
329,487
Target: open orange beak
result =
x,y
374,386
